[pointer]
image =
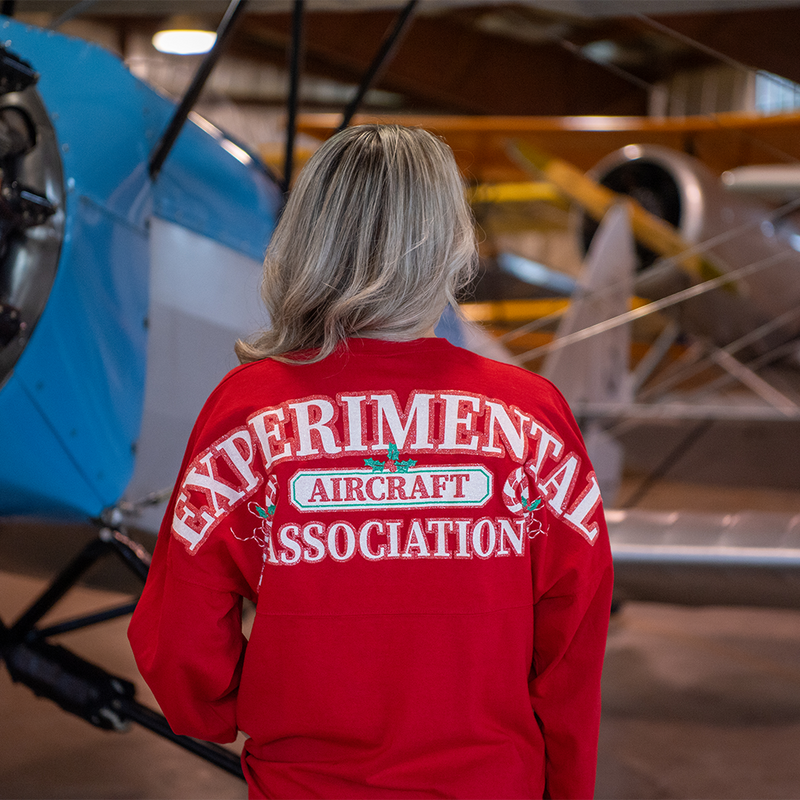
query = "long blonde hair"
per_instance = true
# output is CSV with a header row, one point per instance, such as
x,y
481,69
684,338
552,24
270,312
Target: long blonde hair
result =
x,y
375,240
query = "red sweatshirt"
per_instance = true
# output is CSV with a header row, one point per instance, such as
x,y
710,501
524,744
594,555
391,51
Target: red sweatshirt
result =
x,y
423,535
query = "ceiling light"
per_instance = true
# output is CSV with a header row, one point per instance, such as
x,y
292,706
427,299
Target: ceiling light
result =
x,y
184,36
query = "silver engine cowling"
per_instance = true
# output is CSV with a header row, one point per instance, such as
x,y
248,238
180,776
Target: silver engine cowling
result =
x,y
731,232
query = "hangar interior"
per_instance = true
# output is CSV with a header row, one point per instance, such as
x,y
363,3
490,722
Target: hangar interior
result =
x,y
702,683
704,77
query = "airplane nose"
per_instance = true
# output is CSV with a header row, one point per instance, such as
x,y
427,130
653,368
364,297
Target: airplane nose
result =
x,y
78,212
732,234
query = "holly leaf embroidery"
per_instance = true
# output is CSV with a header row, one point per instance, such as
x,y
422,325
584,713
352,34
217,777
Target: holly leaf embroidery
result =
x,y
532,506
392,463
265,513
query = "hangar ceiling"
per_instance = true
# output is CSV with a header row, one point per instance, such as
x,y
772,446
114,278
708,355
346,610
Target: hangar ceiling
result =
x,y
545,57
576,8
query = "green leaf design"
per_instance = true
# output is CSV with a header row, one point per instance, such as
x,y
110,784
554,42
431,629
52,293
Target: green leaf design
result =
x,y
391,464
263,513
530,506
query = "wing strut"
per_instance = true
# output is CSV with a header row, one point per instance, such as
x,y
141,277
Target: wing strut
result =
x,y
754,382
295,65
71,13
167,140
382,58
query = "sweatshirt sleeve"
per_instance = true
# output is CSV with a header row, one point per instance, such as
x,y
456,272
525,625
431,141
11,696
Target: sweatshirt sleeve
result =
x,y
186,632
189,648
573,583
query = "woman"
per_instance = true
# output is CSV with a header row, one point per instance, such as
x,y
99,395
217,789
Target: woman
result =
x,y
419,528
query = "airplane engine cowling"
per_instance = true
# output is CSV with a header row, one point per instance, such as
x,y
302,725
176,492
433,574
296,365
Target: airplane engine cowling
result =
x,y
32,222
739,232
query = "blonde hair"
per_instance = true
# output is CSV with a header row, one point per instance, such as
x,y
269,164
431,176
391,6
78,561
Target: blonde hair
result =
x,y
375,241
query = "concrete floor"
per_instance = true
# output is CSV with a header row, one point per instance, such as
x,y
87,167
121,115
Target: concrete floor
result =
x,y
698,703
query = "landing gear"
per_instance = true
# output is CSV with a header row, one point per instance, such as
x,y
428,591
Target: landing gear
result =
x,y
76,685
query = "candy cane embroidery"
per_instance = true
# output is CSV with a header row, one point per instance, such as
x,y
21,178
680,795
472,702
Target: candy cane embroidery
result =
x,y
519,501
262,534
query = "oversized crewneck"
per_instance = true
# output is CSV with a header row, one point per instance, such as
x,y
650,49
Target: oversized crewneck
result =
x,y
423,536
